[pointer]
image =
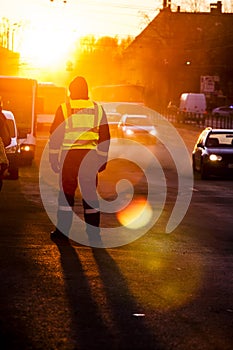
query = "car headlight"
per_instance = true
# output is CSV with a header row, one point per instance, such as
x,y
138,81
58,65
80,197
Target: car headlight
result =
x,y
25,148
215,158
153,132
129,132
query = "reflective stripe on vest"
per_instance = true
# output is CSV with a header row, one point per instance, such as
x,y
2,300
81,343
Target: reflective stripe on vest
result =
x,y
82,120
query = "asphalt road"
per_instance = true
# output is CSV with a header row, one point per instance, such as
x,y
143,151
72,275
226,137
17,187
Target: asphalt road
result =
x,y
163,291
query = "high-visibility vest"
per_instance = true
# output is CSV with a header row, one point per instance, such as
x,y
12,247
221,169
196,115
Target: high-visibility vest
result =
x,y
82,120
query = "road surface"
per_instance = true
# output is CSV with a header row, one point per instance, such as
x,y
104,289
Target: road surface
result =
x,y
163,291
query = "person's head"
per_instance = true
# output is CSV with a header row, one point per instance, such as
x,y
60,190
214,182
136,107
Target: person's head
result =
x,y
78,89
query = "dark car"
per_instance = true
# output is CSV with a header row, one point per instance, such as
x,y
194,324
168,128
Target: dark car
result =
x,y
213,153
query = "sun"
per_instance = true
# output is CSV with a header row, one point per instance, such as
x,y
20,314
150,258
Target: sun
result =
x,y
45,47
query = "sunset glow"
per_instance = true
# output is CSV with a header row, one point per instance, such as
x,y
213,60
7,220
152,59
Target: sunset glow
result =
x,y
45,31
44,48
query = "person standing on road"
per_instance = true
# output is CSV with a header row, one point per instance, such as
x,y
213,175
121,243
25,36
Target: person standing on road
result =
x,y
5,140
81,132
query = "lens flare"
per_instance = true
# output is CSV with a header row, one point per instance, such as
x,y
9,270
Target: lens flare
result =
x,y
136,215
138,188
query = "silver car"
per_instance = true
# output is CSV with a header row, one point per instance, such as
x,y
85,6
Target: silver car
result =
x,y
137,127
224,111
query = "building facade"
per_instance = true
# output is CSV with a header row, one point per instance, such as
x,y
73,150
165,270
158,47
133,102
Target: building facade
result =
x,y
183,52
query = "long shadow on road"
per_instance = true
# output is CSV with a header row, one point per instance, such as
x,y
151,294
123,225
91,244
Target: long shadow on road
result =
x,y
104,321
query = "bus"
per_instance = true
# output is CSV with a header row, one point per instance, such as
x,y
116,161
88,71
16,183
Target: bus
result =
x,y
19,96
119,93
49,97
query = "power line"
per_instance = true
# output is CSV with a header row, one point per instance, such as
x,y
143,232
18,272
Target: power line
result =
x,y
111,4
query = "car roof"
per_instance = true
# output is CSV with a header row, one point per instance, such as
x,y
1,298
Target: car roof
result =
x,y
135,115
222,130
227,106
217,130
8,114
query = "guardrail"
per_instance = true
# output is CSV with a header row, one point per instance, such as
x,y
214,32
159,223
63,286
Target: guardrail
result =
x,y
201,120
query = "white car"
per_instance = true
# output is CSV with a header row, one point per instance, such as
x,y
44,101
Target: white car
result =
x,y
138,127
12,150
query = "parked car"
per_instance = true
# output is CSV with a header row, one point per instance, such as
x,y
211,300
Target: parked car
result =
x,y
12,150
172,108
213,153
224,111
138,127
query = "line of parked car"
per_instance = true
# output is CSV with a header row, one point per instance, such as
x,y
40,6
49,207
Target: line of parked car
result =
x,y
193,105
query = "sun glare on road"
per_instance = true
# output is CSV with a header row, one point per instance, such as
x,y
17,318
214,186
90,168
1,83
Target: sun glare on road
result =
x,y
136,215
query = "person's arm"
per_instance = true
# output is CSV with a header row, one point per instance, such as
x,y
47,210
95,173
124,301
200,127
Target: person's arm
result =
x,y
103,142
57,130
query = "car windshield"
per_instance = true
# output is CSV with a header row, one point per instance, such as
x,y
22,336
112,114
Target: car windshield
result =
x,y
11,127
113,117
220,140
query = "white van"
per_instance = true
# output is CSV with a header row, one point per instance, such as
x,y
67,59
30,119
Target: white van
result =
x,y
12,150
193,103
192,107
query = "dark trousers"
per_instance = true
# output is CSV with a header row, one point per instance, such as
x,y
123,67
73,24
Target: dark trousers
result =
x,y
79,169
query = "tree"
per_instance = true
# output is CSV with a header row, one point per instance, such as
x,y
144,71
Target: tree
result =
x,y
99,59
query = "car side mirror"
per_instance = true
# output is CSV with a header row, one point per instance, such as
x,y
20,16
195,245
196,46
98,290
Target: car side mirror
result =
x,y
200,145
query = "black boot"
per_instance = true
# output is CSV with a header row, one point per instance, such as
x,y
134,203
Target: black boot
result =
x,y
58,235
64,222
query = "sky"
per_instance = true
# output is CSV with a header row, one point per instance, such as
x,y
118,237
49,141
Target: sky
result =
x,y
43,30
39,26
87,16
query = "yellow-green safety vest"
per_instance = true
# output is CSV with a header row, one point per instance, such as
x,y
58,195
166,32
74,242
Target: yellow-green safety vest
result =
x,y
82,120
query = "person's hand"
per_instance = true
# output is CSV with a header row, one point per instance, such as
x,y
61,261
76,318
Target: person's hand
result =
x,y
102,168
54,162
55,167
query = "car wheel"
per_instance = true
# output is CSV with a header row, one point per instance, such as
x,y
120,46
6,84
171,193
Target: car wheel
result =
x,y
196,174
204,172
